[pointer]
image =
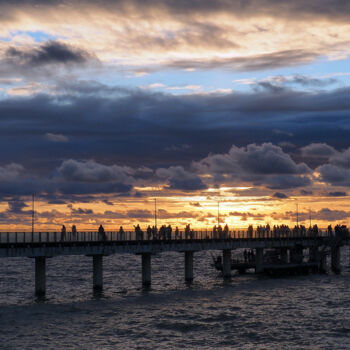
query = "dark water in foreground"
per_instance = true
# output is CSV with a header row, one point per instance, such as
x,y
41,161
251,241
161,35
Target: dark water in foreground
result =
x,y
250,312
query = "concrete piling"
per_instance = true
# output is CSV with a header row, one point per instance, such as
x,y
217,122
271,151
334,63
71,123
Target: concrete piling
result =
x,y
189,266
146,269
226,267
284,255
335,258
259,260
97,261
40,276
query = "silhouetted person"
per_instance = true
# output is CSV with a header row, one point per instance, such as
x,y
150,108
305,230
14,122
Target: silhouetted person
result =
x,y
101,233
220,231
176,232
74,232
187,231
250,231
330,230
149,232
168,232
226,231
121,233
63,233
215,232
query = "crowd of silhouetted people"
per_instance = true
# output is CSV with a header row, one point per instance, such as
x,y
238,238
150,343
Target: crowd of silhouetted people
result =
x,y
166,232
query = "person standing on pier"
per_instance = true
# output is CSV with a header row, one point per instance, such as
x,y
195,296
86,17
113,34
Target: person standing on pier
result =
x,y
74,232
226,231
121,233
176,232
101,233
149,232
220,231
168,232
63,233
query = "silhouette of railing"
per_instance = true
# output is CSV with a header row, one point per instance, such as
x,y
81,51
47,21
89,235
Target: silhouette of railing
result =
x,y
94,236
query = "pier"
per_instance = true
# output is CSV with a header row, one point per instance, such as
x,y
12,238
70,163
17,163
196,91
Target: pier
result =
x,y
43,245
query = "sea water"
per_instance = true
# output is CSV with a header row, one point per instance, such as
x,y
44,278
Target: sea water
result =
x,y
248,312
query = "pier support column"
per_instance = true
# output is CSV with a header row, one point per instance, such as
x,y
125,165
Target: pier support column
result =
x,y
259,260
146,269
188,266
226,267
313,254
296,255
97,262
284,255
336,259
323,263
40,276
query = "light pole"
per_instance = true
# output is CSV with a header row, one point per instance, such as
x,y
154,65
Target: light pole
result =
x,y
155,213
32,217
218,213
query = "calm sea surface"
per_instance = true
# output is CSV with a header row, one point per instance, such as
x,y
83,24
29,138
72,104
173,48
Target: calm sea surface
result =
x,y
250,312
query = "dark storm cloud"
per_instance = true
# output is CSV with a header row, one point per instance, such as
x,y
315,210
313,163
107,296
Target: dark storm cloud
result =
x,y
91,171
244,216
51,52
279,195
180,179
337,194
264,164
16,206
325,214
128,134
337,171
318,150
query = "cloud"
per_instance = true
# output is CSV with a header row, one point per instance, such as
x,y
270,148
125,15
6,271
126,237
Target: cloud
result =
x,y
318,150
10,171
56,137
279,195
227,34
51,52
337,194
16,206
180,179
244,216
337,171
261,164
81,211
324,214
91,171
140,214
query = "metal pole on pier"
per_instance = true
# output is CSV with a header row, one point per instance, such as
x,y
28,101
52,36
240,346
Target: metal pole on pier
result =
x,y
310,217
218,213
155,213
297,215
32,217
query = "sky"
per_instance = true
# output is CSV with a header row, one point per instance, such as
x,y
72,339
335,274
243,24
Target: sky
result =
x,y
106,105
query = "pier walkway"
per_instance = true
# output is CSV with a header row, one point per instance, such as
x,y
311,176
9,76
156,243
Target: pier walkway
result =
x,y
43,245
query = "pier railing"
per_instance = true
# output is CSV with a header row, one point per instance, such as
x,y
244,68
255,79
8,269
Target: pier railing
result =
x,y
94,236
